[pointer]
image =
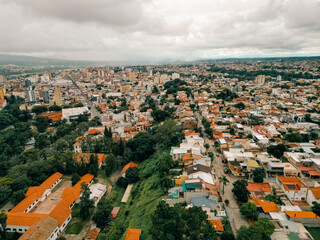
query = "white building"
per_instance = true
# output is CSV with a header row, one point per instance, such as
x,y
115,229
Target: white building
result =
x,y
74,113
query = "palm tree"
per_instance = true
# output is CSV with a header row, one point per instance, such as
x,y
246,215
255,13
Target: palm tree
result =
x,y
224,180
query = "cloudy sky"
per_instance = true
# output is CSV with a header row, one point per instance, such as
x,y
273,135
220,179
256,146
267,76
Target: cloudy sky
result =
x,y
159,30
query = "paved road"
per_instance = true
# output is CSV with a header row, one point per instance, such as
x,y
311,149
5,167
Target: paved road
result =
x,y
94,111
236,219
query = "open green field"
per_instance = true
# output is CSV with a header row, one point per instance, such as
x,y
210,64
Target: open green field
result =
x,y
136,213
315,232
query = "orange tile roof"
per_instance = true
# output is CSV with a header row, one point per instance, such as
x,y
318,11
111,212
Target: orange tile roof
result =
x,y
86,157
301,214
191,133
2,101
270,207
94,131
55,116
35,193
61,211
41,229
316,192
133,234
217,224
93,234
51,180
24,219
259,187
191,156
129,165
292,181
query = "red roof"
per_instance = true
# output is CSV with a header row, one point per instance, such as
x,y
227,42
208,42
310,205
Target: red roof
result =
x,y
259,187
129,165
292,183
133,234
217,224
94,131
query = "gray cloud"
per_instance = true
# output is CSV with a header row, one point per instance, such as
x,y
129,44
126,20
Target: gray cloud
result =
x,y
159,29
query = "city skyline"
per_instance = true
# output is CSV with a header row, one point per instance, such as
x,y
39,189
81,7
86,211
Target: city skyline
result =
x,y
157,31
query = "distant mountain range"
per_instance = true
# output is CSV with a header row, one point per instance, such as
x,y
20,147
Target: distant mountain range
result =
x,y
27,61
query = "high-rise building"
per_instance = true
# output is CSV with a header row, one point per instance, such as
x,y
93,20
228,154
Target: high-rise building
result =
x,y
101,73
175,76
279,78
260,79
132,76
27,83
45,96
2,93
3,79
30,96
58,96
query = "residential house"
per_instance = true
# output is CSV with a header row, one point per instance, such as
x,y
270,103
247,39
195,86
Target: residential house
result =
x,y
293,187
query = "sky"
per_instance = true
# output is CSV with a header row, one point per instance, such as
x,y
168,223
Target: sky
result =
x,y
159,30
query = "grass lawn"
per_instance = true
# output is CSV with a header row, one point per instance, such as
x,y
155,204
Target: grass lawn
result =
x,y
75,226
137,212
315,232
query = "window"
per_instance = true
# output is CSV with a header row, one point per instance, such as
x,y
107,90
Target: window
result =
x,y
20,230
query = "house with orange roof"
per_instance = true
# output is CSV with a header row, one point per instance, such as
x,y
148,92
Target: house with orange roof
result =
x,y
313,195
133,234
45,226
266,206
94,132
3,103
308,219
35,195
259,190
126,167
217,224
85,157
293,187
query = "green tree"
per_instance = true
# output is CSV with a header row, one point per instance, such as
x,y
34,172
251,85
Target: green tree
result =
x,y
39,109
85,202
224,181
258,175
110,164
294,137
179,223
101,217
5,193
55,108
75,178
240,105
316,208
3,223
240,190
122,182
132,175
274,198
265,226
245,233
227,235
155,89
249,210
18,196
42,123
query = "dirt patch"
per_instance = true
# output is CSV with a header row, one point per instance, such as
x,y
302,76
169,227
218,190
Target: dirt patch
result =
x,y
53,199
